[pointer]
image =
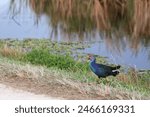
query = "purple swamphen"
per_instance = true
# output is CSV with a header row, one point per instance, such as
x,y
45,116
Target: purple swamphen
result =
x,y
102,71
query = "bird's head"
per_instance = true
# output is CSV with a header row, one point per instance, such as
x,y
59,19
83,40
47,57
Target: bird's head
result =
x,y
91,57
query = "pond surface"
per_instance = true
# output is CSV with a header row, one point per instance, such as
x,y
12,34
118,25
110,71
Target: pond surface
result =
x,y
27,23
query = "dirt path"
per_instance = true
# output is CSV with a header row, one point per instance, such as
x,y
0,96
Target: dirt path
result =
x,y
9,93
35,90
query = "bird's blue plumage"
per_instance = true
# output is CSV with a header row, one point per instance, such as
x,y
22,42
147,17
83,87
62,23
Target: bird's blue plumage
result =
x,y
102,70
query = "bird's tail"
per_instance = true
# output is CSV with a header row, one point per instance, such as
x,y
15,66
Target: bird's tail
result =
x,y
115,73
115,68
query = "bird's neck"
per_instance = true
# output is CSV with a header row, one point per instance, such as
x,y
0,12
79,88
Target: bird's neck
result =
x,y
93,61
93,64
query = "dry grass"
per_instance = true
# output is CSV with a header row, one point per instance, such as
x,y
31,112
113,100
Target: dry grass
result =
x,y
130,78
101,13
56,82
7,51
141,18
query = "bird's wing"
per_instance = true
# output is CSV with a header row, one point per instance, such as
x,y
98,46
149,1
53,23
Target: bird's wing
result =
x,y
104,67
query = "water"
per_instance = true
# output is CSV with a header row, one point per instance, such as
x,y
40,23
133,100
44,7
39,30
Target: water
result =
x,y
24,25
125,58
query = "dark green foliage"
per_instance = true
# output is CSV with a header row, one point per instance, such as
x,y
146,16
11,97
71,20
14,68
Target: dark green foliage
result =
x,y
44,57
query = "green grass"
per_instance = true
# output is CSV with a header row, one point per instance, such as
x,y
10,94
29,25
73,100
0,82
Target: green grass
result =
x,y
45,55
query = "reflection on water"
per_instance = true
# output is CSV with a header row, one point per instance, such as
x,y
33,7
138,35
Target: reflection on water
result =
x,y
21,24
117,34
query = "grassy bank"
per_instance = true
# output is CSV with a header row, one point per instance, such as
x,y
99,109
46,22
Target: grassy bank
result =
x,y
57,83
58,58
